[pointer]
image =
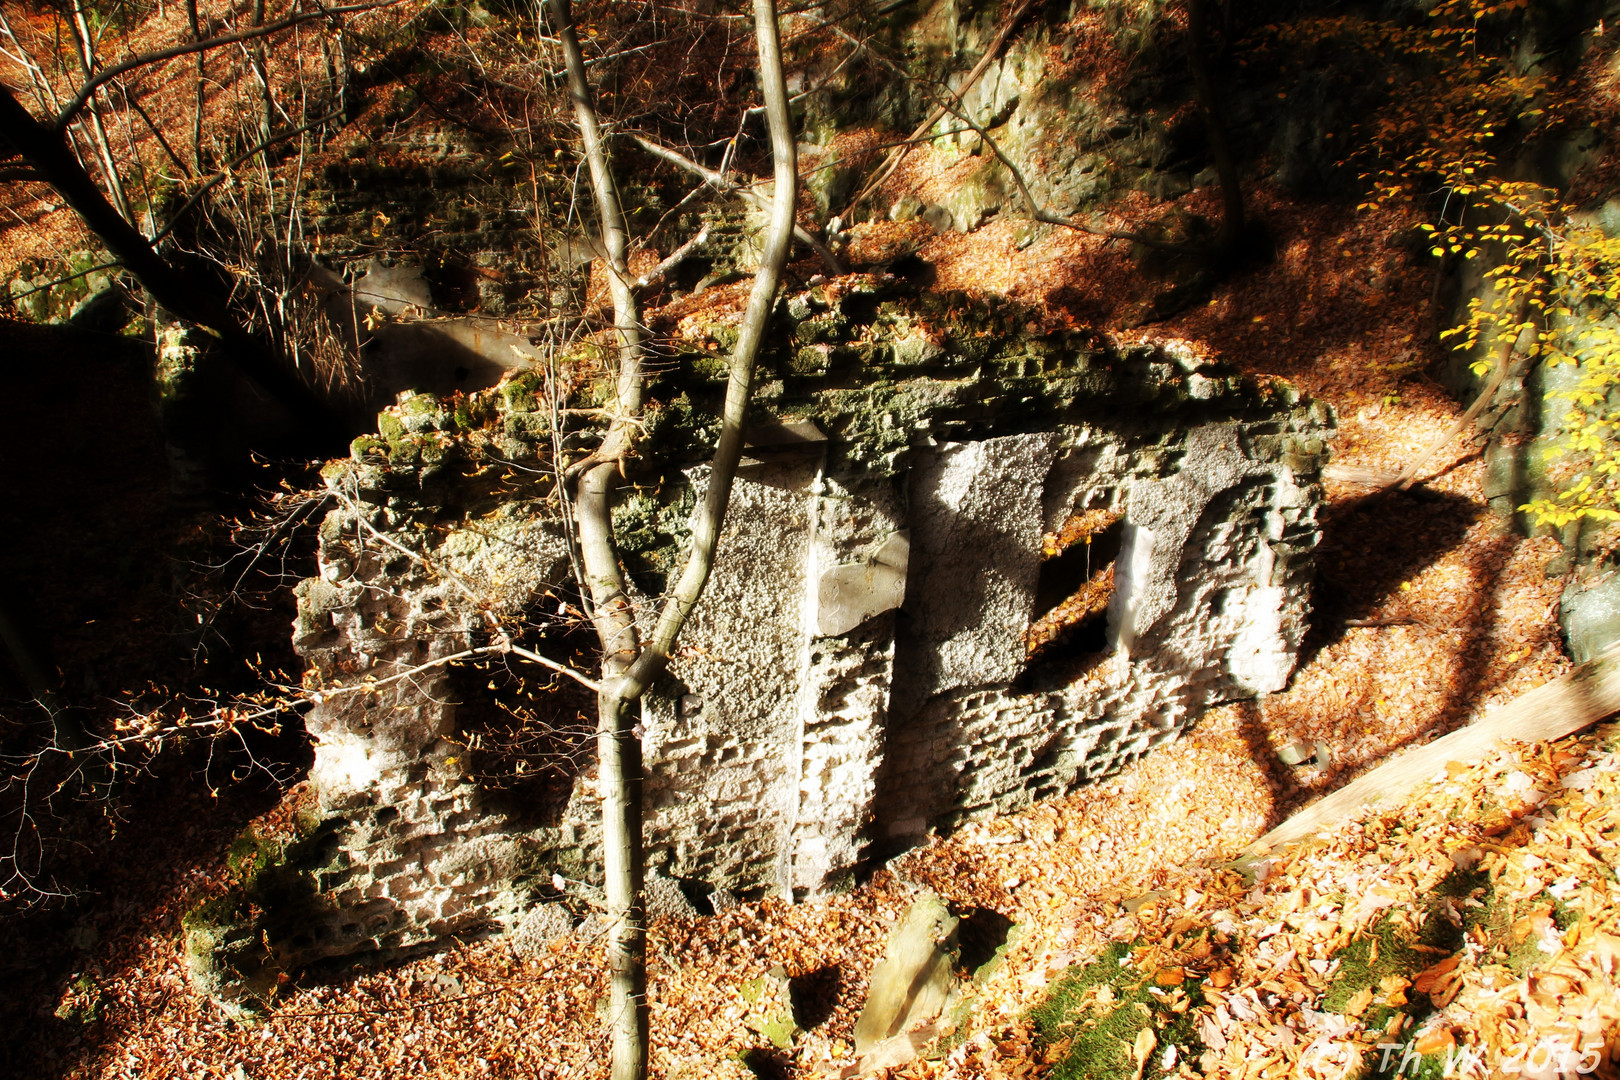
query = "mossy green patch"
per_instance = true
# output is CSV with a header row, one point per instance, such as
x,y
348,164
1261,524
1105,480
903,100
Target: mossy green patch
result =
x,y
522,393
215,911
358,449
1100,1009
772,1010
420,405
275,889
653,527
1377,968
1390,950
83,1002
680,427
1384,952
390,427
251,854
779,1032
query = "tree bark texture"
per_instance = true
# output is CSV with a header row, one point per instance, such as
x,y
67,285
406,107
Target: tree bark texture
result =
x,y
629,665
1232,218
615,234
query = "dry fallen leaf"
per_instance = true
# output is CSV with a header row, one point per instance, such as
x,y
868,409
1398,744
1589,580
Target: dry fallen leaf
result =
x,y
1142,1052
1434,1041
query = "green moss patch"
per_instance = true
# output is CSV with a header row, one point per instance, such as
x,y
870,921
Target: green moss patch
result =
x,y
230,938
1377,968
1094,1016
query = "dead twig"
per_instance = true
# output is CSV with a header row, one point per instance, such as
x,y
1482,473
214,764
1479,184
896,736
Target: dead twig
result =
x,y
991,52
720,183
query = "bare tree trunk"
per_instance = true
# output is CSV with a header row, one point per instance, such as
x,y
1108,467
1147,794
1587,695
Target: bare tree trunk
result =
x,y
1487,394
629,666
618,746
615,234
85,50
1232,220
261,71
201,84
618,749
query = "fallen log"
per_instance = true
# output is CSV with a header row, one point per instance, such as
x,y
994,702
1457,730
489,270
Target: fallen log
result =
x,y
1573,701
1360,474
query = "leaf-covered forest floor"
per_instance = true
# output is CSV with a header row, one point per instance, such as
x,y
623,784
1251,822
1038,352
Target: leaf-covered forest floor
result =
x,y
1428,612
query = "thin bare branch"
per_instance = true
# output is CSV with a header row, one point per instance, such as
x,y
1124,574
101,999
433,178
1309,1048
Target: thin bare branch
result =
x,y
1487,394
720,183
106,75
751,336
545,661
615,235
991,52
676,257
223,174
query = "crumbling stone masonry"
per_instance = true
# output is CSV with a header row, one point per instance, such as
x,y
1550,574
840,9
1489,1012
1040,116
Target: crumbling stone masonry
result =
x,y
926,482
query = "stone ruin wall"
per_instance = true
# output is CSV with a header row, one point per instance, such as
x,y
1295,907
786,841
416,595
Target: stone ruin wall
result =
x,y
820,741
855,675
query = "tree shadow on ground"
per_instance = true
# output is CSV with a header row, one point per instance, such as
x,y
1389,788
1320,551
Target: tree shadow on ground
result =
x,y
131,884
1376,546
1370,546
1251,728
815,995
104,564
770,1064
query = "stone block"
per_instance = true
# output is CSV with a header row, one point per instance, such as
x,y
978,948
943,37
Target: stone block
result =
x,y
913,982
850,593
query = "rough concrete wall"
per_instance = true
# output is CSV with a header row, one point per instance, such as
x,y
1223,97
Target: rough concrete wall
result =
x,y
402,845
718,749
975,551
921,717
419,847
856,673
1213,608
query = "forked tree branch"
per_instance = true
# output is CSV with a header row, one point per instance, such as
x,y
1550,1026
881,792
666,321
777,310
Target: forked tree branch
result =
x,y
629,666
676,257
619,768
756,323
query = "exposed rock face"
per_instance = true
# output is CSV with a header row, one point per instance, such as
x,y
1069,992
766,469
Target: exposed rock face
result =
x,y
857,673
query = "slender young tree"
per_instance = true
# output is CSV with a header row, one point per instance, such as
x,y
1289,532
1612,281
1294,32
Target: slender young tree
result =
x,y
630,664
1209,103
